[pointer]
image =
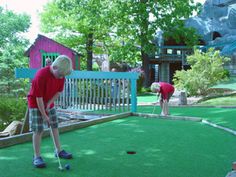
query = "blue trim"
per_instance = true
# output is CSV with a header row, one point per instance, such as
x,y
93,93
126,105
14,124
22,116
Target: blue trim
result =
x,y
133,95
29,73
25,73
103,75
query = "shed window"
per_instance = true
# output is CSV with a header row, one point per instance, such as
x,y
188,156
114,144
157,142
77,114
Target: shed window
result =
x,y
52,56
169,51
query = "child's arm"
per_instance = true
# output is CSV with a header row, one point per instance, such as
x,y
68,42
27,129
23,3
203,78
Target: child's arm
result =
x,y
41,107
52,100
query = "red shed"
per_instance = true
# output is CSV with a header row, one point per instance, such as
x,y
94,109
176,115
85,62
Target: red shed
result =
x,y
45,47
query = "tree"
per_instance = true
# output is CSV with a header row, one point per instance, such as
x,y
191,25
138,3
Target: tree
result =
x,y
12,46
206,70
140,20
125,28
81,25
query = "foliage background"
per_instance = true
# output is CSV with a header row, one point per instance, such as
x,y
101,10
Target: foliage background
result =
x,y
206,70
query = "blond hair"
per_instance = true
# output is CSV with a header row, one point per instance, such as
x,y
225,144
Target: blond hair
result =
x,y
63,64
155,87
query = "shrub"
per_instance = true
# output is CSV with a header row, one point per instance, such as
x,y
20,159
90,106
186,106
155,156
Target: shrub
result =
x,y
206,70
226,73
11,109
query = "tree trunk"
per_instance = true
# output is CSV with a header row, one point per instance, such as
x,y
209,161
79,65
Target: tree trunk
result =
x,y
144,44
89,49
145,65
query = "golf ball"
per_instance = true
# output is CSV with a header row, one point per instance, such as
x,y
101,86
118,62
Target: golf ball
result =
x,y
67,166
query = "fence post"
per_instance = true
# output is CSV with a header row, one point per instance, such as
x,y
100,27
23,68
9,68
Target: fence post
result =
x,y
133,95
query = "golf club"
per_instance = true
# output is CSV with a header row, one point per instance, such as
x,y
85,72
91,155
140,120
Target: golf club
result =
x,y
155,104
154,107
53,138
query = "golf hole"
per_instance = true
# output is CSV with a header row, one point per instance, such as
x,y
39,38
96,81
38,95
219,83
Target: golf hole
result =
x,y
130,152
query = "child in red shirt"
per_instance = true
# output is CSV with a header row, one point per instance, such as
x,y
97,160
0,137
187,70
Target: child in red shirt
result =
x,y
45,89
166,90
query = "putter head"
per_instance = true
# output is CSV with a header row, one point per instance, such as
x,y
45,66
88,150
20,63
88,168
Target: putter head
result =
x,y
60,168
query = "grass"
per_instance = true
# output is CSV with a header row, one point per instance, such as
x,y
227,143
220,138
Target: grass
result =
x,y
164,148
221,101
229,84
221,116
147,98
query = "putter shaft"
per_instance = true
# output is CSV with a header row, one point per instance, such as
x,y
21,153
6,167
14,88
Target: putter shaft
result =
x,y
53,138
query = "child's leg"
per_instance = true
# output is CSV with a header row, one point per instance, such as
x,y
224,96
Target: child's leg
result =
x,y
56,138
167,106
54,126
161,103
164,108
55,132
37,137
36,126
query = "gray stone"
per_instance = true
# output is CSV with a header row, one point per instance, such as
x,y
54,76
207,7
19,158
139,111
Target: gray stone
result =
x,y
182,98
217,17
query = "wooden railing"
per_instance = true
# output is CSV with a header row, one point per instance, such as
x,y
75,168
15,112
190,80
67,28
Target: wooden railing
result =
x,y
90,90
173,53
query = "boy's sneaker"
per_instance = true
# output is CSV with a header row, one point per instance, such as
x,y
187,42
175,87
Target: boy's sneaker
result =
x,y
38,162
64,155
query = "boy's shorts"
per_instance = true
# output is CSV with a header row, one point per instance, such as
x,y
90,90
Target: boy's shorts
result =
x,y
36,121
168,98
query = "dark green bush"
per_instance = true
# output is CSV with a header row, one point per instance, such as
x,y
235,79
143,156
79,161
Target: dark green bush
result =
x,y
226,73
140,84
11,109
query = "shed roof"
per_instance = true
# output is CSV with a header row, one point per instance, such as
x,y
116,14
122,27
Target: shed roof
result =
x,y
42,36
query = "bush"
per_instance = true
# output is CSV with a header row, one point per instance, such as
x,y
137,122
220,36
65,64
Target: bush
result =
x,y
206,70
226,73
11,109
140,84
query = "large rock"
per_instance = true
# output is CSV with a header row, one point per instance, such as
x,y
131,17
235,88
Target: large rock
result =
x,y
216,17
13,129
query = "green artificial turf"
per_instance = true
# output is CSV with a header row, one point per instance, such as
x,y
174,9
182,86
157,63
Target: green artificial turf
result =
x,y
163,148
147,98
229,84
221,101
220,116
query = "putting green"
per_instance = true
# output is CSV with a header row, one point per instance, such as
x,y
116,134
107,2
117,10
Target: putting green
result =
x,y
163,148
220,116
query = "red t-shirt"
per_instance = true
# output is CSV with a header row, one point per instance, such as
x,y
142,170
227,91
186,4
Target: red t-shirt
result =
x,y
44,85
166,89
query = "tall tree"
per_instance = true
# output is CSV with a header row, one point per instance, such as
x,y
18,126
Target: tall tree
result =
x,y
12,47
140,20
125,28
78,24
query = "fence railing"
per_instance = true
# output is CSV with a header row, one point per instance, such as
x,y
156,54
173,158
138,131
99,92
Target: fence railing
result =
x,y
91,90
